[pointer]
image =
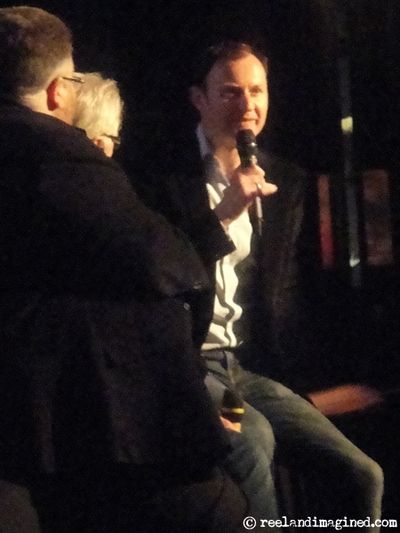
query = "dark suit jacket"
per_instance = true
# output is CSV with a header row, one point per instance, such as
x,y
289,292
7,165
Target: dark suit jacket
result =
x,y
176,187
96,356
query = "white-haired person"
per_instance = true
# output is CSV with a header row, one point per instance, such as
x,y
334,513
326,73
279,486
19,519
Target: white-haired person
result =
x,y
99,110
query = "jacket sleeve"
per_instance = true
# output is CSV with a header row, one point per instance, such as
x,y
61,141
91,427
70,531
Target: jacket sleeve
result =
x,y
284,306
183,200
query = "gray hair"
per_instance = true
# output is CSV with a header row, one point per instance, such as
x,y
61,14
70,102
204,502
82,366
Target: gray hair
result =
x,y
99,106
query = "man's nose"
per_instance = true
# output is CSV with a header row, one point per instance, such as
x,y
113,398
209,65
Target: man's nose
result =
x,y
246,101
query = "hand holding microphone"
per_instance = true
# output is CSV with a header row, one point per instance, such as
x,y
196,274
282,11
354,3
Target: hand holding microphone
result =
x,y
248,151
232,410
247,183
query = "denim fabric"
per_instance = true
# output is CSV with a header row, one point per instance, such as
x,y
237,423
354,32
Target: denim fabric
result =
x,y
339,478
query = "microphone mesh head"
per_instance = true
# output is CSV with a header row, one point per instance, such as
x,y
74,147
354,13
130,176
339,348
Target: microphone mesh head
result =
x,y
247,147
245,138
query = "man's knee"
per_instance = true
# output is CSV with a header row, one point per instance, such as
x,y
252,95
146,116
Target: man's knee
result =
x,y
369,474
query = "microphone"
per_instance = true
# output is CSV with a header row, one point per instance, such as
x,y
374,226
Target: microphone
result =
x,y
248,150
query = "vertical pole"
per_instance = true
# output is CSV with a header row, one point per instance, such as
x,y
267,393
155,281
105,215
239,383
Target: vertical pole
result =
x,y
349,181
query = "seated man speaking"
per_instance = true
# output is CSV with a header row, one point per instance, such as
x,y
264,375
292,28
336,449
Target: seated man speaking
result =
x,y
255,279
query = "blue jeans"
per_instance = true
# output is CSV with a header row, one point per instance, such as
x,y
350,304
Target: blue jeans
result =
x,y
340,479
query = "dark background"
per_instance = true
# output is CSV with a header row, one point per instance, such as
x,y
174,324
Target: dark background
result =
x,y
149,45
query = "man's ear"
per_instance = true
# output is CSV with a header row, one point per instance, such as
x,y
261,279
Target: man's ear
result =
x,y
53,95
196,97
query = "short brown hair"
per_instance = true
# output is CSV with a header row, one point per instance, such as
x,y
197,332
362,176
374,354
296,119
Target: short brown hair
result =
x,y
32,43
223,51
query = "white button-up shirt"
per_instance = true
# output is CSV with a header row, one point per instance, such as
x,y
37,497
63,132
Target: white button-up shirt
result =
x,y
226,310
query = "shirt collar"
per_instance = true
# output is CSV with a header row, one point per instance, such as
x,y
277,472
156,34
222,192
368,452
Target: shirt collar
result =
x,y
204,145
212,169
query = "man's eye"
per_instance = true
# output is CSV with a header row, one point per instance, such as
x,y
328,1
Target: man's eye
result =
x,y
228,93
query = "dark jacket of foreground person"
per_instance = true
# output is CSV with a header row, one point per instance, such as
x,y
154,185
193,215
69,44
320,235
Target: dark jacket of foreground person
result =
x,y
96,356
